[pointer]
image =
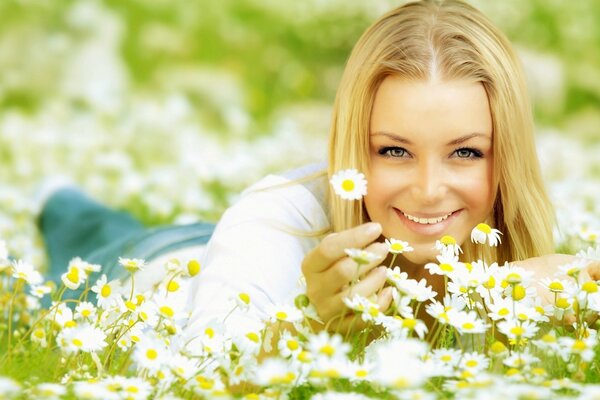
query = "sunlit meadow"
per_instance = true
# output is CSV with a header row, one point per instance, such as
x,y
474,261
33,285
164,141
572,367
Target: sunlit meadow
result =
x,y
168,109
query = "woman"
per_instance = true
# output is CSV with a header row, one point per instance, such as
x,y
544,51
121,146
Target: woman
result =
x,y
433,108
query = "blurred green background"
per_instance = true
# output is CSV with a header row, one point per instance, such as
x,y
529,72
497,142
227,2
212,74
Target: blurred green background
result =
x,y
168,108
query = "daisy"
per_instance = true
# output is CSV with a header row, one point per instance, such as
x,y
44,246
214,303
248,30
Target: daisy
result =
x,y
132,264
396,246
520,360
74,276
49,391
572,269
283,312
289,345
26,271
151,353
84,266
361,256
483,232
330,346
447,264
40,291
274,371
590,253
516,331
107,293
349,184
388,372
468,322
85,338
474,362
85,310
447,244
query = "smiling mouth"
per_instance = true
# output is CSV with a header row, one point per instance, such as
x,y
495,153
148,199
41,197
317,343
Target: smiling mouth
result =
x,y
427,221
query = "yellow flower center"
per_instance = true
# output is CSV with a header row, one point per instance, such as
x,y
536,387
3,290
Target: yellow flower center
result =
x,y
590,287
513,278
244,297
562,303
281,315
519,292
292,345
556,287
70,324
448,240
151,354
547,338
327,350
167,311
446,358
468,326
397,247
471,363
490,284
73,275
485,228
77,342
209,332
39,334
130,305
446,267
503,312
517,331
497,347
361,373
409,323
86,313
348,185
579,345
253,337
172,286
193,267
105,291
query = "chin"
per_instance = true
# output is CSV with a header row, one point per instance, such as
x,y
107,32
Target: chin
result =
x,y
421,256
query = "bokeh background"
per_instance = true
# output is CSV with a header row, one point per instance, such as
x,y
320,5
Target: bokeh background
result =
x,y
169,108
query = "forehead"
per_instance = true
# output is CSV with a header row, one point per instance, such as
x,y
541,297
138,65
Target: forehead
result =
x,y
430,108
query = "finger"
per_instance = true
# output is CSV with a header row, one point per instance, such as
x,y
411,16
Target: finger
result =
x,y
346,270
332,247
384,299
368,286
593,270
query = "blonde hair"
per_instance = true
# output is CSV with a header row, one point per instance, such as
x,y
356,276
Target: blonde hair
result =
x,y
451,40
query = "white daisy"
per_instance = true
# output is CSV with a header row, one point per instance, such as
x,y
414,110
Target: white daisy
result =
x,y
483,233
283,312
330,346
447,244
132,264
40,291
349,184
48,391
27,272
361,256
151,353
107,293
74,276
396,246
84,338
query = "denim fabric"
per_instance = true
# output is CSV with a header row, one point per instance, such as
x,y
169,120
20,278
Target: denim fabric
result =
x,y
73,225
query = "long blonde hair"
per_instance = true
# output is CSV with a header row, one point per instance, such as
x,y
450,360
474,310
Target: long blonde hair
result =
x,y
452,40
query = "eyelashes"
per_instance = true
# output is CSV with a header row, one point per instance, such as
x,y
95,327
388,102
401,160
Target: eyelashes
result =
x,y
466,153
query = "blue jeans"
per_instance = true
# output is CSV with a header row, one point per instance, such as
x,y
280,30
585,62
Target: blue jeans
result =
x,y
73,225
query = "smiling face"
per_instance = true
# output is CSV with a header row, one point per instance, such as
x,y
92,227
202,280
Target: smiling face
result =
x,y
431,161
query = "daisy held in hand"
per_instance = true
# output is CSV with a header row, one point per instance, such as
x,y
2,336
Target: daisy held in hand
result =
x,y
349,184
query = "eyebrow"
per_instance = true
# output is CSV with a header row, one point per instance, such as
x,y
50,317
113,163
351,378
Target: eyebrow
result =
x,y
462,139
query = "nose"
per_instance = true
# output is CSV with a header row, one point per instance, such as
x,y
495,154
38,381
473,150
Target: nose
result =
x,y
429,185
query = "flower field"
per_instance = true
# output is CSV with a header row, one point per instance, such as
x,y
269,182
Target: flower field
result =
x,y
159,108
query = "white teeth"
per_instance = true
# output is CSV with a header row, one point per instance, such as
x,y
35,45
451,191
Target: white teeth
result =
x,y
426,221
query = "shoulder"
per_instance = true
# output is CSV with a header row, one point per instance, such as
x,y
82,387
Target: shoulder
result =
x,y
296,198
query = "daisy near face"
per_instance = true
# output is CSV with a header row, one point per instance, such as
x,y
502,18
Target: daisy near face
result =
x,y
430,169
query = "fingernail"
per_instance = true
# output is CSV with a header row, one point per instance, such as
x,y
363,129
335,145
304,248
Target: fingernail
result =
x,y
373,228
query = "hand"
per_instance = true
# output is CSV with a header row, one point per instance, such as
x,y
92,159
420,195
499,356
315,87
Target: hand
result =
x,y
328,273
547,266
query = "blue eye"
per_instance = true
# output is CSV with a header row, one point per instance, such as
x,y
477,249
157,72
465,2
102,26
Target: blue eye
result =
x,y
466,152
395,152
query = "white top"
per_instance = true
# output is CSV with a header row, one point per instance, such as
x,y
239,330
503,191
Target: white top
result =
x,y
254,250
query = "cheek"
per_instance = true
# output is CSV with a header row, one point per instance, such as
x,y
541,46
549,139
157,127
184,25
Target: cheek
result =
x,y
477,192
382,186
